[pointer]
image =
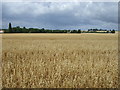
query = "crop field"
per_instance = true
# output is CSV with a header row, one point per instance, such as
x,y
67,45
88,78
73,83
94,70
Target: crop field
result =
x,y
60,60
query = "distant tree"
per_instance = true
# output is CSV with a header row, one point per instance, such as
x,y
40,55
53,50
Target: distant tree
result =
x,y
107,31
113,31
17,29
42,30
25,30
74,31
89,30
24,27
94,30
79,31
10,28
30,30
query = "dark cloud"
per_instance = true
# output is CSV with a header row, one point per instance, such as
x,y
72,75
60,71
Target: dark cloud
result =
x,y
0,15
61,15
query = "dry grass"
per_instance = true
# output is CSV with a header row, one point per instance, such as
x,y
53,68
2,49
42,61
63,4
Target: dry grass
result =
x,y
60,60
0,61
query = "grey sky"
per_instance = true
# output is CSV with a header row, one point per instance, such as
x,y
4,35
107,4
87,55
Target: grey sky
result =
x,y
61,15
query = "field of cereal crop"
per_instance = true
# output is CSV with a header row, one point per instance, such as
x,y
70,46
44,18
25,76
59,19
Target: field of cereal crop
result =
x,y
60,60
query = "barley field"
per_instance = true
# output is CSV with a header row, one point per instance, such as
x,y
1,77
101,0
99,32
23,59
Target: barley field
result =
x,y
60,60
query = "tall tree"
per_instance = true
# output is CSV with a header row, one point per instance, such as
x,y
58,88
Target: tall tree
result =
x,y
79,31
10,28
113,31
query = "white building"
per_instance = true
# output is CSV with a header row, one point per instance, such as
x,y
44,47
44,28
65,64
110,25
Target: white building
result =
x,y
1,31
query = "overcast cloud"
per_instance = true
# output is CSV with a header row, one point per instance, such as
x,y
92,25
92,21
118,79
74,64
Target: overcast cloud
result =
x,y
61,15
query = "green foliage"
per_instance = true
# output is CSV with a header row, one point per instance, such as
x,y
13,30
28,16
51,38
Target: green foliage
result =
x,y
18,29
10,28
113,31
100,31
74,31
79,31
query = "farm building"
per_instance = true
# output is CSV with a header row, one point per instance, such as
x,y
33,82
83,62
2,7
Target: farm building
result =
x,y
103,31
1,31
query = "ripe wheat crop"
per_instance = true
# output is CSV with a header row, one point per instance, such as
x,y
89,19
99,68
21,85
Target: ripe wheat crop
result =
x,y
60,60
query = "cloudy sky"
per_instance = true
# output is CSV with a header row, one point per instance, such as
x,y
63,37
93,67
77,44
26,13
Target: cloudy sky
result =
x,y
61,15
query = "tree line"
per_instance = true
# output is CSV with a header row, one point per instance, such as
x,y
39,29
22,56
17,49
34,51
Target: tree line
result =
x,y
100,31
18,29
